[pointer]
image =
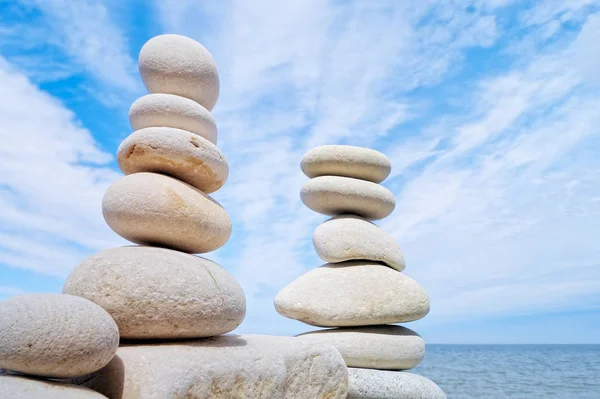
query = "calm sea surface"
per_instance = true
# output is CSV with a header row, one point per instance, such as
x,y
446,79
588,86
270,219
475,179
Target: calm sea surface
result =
x,y
514,371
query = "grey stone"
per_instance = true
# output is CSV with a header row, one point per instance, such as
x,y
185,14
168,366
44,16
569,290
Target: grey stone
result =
x,y
20,387
177,153
353,293
335,195
345,160
349,237
378,384
378,347
225,367
160,293
55,335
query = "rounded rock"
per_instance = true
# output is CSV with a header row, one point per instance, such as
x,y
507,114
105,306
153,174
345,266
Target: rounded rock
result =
x,y
349,237
159,293
175,64
378,347
353,293
19,387
158,210
177,153
335,195
169,110
378,384
345,160
55,335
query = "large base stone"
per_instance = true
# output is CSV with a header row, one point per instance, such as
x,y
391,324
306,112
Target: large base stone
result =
x,y
377,384
19,387
231,366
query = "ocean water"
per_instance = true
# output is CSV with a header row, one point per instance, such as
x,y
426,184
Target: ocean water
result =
x,y
514,371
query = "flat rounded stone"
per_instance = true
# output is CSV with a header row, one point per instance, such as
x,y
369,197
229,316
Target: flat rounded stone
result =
x,y
177,153
175,64
378,384
345,160
169,110
55,335
19,387
335,195
159,293
229,366
158,210
353,293
378,347
349,237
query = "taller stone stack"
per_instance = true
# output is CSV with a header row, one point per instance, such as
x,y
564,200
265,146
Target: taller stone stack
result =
x,y
361,291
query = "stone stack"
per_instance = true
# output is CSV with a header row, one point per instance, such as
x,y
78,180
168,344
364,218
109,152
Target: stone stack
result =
x,y
361,290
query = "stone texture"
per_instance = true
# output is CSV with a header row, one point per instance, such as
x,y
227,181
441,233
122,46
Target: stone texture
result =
x,y
353,293
225,367
378,347
177,153
19,387
377,384
349,237
349,161
160,293
175,64
55,335
157,210
335,195
168,110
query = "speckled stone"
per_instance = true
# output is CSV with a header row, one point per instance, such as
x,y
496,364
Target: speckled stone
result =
x,y
157,210
335,195
175,64
353,293
55,335
376,347
160,293
349,237
345,160
169,110
20,387
177,153
378,384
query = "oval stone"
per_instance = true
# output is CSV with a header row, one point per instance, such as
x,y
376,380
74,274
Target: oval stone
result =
x,y
378,347
160,293
175,64
353,293
345,160
349,237
158,210
335,195
370,384
19,387
55,335
177,153
169,110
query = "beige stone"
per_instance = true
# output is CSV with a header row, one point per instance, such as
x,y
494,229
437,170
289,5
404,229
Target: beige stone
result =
x,y
177,153
169,110
345,160
55,335
19,387
349,237
175,64
225,367
353,293
375,347
378,384
160,293
153,209
335,195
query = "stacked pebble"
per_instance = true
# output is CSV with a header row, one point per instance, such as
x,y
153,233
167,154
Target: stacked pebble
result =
x,y
361,289
159,290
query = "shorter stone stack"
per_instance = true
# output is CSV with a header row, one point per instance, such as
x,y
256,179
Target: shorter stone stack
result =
x,y
361,289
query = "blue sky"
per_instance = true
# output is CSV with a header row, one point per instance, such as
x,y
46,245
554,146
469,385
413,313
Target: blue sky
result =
x,y
488,110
